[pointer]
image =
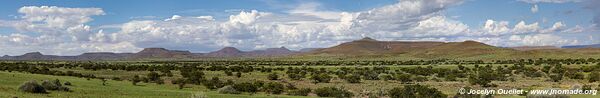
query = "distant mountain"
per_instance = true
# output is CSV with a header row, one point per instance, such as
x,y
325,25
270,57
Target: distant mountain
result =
x,y
583,46
270,52
232,51
362,48
369,46
226,52
102,56
161,53
526,48
308,49
461,50
35,56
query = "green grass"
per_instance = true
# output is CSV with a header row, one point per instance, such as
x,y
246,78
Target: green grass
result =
x,y
83,88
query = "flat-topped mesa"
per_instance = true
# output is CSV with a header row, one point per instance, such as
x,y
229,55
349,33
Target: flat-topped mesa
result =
x,y
33,54
161,53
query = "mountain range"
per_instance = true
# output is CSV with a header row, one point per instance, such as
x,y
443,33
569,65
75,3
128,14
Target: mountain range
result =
x,y
357,48
583,46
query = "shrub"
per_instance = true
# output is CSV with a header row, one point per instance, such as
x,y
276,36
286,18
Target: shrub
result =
x,y
49,86
415,91
136,79
420,78
238,74
214,83
555,77
295,76
404,78
594,76
228,73
385,77
116,78
273,76
245,87
300,92
575,75
273,88
333,92
321,78
32,87
352,78
228,90
68,83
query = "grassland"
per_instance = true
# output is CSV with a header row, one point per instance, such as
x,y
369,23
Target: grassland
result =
x,y
92,88
83,88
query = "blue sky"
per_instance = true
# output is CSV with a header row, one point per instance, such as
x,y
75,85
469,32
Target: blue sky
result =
x,y
66,27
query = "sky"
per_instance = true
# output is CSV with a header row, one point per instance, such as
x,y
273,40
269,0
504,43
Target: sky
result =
x,y
69,27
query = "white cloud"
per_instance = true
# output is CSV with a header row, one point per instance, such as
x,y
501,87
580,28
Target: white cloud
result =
x,y
534,8
305,26
558,26
496,27
521,27
541,40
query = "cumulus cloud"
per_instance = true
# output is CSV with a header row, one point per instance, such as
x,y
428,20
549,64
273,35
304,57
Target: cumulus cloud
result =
x,y
56,30
541,40
534,8
306,26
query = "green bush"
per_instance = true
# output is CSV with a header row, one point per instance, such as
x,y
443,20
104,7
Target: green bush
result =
x,y
68,83
273,88
273,76
49,85
32,87
228,90
415,91
321,78
404,78
246,87
385,77
352,78
214,83
300,92
238,74
136,79
594,76
295,76
333,92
